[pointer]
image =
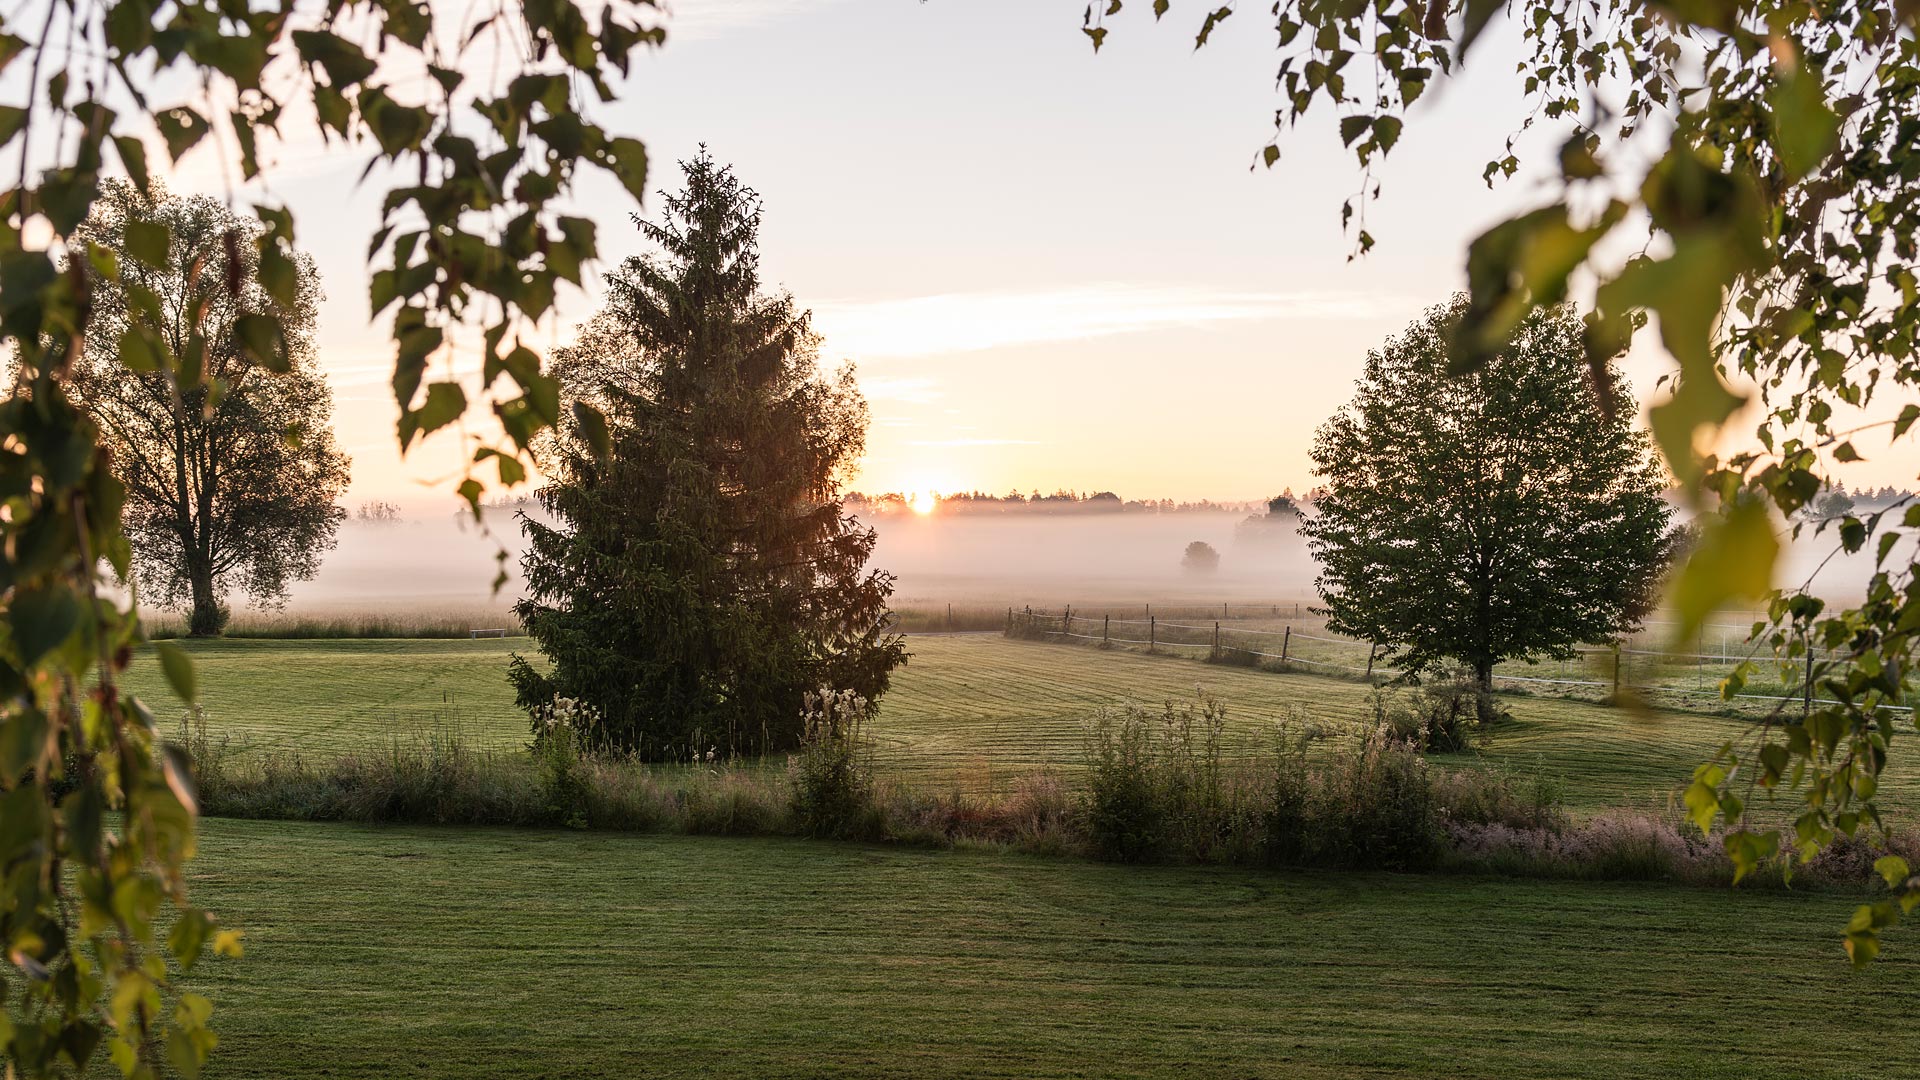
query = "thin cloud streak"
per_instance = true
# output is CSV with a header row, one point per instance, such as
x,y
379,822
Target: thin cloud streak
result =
x,y
970,322
908,389
973,442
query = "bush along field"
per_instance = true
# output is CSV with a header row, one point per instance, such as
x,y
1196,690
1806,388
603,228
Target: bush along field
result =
x,y
967,713
1161,784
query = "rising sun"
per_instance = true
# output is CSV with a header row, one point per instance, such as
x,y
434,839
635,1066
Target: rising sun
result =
x,y
924,502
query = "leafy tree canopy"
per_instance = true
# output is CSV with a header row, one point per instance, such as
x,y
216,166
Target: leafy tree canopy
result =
x,y
231,482
476,122
1497,515
1763,158
702,575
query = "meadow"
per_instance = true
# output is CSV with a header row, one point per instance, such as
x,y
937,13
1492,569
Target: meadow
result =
x,y
421,951
973,712
456,953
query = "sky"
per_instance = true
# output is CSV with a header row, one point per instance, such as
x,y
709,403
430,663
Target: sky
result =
x,y
1051,269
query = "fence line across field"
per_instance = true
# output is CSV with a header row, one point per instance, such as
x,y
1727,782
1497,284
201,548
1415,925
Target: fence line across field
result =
x,y
1301,635
1286,655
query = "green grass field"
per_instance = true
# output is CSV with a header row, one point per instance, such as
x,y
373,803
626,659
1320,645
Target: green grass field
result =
x,y
974,711
427,953
403,952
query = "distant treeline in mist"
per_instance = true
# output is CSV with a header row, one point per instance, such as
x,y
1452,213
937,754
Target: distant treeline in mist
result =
x,y
1060,502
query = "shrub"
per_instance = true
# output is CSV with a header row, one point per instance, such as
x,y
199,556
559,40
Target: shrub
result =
x,y
832,775
1610,847
558,727
1125,817
1374,802
1376,807
1157,786
1441,715
1488,796
1232,657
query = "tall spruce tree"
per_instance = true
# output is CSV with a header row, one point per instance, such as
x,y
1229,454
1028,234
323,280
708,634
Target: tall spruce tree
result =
x,y
1495,515
699,573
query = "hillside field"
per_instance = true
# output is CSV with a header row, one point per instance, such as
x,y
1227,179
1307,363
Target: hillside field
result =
x,y
972,711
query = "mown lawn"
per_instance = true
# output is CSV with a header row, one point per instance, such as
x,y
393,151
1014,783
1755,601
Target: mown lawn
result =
x,y
405,952
970,711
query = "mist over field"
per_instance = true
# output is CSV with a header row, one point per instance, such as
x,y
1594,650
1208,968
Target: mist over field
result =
x,y
445,565
440,564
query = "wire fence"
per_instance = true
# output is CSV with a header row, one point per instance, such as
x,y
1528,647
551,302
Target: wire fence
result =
x,y
1635,667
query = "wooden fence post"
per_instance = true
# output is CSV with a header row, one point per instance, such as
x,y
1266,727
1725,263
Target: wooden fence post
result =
x,y
1806,706
1216,637
1616,671
1106,625
1009,618
1285,640
1151,635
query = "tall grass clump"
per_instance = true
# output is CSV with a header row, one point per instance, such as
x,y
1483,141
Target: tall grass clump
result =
x,y
1372,803
1157,785
832,775
1445,714
558,728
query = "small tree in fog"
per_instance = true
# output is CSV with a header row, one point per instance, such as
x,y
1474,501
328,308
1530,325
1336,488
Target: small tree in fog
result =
x,y
700,575
231,483
1200,558
1491,516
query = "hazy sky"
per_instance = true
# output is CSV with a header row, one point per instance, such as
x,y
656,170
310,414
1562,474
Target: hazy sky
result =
x,y
1052,269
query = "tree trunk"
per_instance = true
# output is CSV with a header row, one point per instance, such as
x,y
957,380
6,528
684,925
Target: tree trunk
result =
x,y
1483,679
207,618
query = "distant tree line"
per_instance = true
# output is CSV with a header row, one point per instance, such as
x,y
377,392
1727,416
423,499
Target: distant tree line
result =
x,y
1059,502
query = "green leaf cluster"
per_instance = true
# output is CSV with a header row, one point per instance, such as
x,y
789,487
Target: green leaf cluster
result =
x,y
473,233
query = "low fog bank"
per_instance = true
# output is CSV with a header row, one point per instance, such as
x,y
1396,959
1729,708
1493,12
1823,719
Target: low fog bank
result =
x,y
446,565
414,566
1105,558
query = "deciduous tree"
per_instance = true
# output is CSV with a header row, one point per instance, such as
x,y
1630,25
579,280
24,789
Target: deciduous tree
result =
x,y
702,575
1200,558
1497,515
1761,158
232,481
